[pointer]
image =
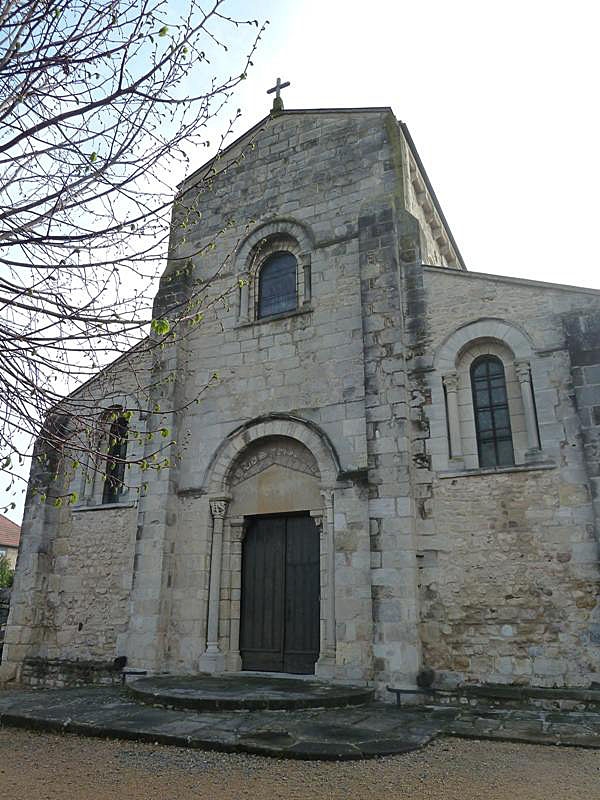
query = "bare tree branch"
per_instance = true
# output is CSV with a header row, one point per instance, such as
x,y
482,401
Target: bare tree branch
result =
x,y
99,101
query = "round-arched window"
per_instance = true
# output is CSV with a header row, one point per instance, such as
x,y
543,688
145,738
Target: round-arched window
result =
x,y
114,478
492,416
277,290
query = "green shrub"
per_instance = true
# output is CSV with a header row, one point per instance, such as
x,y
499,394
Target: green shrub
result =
x,y
6,573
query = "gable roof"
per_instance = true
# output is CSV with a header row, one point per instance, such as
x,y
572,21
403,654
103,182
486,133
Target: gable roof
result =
x,y
10,532
288,112
203,170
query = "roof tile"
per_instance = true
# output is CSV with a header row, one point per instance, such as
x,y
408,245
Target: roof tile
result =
x,y
10,532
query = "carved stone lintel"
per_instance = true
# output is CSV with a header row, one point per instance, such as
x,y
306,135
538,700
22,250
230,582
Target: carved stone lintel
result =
x,y
259,456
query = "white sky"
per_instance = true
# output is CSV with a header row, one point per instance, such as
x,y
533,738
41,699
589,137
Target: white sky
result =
x,y
501,100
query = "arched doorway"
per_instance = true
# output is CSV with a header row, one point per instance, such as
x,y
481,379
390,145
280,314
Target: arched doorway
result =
x,y
275,485
272,469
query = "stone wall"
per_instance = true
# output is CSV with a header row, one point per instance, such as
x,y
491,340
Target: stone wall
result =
x,y
57,672
89,588
583,341
310,364
509,560
4,605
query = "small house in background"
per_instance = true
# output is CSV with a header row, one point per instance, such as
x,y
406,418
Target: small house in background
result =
x,y
10,533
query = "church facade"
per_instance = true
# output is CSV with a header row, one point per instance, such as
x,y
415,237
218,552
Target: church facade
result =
x,y
380,461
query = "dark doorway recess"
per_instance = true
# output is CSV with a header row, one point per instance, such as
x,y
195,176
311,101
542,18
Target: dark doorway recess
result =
x,y
280,595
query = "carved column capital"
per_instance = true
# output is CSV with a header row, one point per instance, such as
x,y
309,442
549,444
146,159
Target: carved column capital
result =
x,y
218,508
327,495
523,370
318,520
237,527
451,381
244,294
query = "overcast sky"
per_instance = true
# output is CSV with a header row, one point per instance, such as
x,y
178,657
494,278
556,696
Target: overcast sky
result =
x,y
501,100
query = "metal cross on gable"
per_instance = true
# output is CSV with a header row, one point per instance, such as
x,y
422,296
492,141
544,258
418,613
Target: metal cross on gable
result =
x,y
277,101
278,87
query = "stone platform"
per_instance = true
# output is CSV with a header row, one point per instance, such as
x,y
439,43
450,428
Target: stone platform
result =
x,y
244,692
353,732
350,732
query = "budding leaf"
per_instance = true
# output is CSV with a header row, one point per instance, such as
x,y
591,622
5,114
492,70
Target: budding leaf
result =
x,y
160,326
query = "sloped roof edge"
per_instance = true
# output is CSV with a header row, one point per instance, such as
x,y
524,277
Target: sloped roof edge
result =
x,y
563,287
360,110
438,208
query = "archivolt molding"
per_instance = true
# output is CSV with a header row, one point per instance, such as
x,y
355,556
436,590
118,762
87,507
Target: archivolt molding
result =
x,y
491,329
278,228
451,409
218,474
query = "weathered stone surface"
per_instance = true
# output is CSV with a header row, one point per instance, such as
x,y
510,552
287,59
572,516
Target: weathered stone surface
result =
x,y
339,408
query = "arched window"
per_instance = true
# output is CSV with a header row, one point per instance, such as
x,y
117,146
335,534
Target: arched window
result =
x,y
115,461
277,289
492,417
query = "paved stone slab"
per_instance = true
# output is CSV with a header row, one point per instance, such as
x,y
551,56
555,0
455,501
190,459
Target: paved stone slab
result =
x,y
324,734
535,726
342,733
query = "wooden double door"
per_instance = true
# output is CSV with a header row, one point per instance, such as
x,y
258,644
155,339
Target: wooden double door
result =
x,y
280,595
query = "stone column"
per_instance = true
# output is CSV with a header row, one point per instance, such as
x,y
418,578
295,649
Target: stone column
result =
x,y
237,527
451,385
325,666
305,262
523,371
244,312
213,660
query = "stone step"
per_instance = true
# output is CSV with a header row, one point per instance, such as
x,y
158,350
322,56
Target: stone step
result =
x,y
243,692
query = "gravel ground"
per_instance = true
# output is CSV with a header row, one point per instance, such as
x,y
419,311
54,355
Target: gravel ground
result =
x,y
40,766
